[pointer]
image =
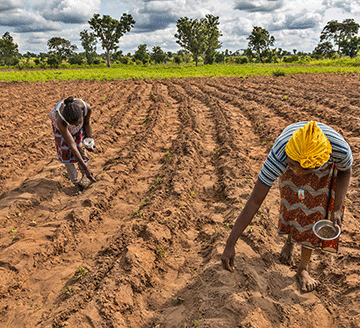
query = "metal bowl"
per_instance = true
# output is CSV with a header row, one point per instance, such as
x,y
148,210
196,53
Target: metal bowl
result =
x,y
322,223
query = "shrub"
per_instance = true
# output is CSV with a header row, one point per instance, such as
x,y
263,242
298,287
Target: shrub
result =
x,y
76,60
177,59
278,72
290,59
125,60
53,61
241,60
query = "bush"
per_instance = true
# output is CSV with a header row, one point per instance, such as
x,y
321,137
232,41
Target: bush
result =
x,y
241,60
125,60
76,60
278,72
14,61
53,61
290,59
177,59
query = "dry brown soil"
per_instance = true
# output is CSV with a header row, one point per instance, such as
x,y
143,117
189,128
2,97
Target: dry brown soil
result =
x,y
176,162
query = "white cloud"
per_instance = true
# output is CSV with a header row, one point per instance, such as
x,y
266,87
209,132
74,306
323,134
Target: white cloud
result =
x,y
301,21
10,5
24,21
68,11
348,6
295,24
259,5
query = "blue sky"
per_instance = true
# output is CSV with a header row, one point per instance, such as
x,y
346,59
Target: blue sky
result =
x,y
294,24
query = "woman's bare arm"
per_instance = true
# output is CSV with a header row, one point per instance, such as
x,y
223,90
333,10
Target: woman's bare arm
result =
x,y
253,204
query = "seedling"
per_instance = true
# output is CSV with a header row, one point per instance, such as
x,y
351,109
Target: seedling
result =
x,y
12,233
67,289
196,322
82,272
160,253
168,154
108,126
145,202
138,213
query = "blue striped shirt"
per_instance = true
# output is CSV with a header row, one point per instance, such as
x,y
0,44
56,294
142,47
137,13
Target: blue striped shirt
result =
x,y
275,163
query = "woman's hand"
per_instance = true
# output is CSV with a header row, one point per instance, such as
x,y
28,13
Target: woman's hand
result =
x,y
336,217
89,174
227,259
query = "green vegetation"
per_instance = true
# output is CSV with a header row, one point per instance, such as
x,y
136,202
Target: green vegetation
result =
x,y
173,71
110,30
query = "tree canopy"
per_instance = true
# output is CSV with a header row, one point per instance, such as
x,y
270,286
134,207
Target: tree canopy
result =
x,y
212,34
190,36
8,49
342,34
142,54
88,41
110,30
157,55
61,47
199,37
260,42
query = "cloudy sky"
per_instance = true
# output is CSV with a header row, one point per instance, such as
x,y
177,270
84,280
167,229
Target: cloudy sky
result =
x,y
295,24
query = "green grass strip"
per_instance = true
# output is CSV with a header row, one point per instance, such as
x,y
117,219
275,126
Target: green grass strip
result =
x,y
163,71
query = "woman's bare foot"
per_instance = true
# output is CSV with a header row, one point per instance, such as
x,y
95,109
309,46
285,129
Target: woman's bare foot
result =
x,y
286,255
307,284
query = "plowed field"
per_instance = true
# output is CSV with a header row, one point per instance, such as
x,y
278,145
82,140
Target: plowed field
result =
x,y
176,162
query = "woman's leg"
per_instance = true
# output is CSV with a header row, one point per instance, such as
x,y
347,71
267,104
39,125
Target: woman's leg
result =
x,y
73,173
286,255
307,284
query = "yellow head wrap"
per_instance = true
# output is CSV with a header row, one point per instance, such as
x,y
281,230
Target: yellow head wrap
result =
x,y
309,146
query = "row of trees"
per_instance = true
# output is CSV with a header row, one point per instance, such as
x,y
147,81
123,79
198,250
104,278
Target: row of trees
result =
x,y
199,37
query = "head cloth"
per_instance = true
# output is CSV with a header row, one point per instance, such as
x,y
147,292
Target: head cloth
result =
x,y
309,146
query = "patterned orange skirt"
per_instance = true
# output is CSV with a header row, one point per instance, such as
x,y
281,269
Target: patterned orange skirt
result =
x,y
304,201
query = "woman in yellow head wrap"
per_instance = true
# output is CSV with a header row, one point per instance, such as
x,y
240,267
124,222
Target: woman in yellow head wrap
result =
x,y
313,163
309,146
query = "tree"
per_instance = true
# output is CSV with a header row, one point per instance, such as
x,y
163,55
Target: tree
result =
x,y
157,55
88,41
339,33
210,25
350,47
219,57
199,37
142,54
190,35
8,49
116,56
61,47
260,42
110,30
54,60
324,49
77,59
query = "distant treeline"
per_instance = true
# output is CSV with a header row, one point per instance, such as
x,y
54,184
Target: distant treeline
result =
x,y
198,38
